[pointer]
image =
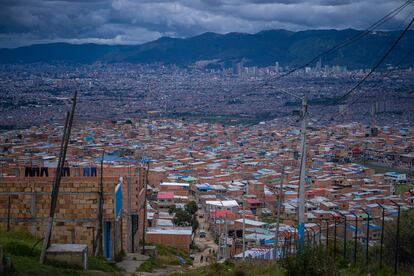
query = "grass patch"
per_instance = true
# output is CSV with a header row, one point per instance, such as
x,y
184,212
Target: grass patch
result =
x,y
268,219
260,267
101,264
402,188
150,264
24,265
20,243
171,252
230,268
24,251
378,168
166,256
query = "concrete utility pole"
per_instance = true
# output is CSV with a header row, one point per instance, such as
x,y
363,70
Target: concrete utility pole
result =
x,y
301,222
279,205
58,176
304,124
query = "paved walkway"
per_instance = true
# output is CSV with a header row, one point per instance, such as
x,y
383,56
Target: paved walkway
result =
x,y
131,262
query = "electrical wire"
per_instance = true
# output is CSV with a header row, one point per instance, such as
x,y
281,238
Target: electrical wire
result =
x,y
383,75
351,40
340,45
379,62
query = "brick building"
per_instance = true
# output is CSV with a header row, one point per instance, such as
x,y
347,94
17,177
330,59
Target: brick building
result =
x,y
25,204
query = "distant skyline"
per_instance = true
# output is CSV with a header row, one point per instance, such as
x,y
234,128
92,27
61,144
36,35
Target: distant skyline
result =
x,y
25,22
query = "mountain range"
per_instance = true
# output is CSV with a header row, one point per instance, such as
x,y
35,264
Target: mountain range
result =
x,y
223,50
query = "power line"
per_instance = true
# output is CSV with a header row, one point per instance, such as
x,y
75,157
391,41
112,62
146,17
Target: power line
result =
x,y
383,75
388,72
351,40
342,44
378,63
374,68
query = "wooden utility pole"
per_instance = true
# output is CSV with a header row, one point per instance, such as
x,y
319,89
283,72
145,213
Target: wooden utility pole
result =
x,y
98,249
145,208
57,178
8,215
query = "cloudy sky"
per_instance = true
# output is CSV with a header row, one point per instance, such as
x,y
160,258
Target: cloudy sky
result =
x,y
24,22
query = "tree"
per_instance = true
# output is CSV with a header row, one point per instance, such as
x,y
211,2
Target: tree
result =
x,y
172,209
194,223
182,217
191,207
405,252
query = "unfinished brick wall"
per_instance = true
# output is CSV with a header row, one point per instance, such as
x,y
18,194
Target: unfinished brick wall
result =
x,y
77,206
178,241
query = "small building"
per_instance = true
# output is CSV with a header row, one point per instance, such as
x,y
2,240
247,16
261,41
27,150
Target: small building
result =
x,y
176,237
165,199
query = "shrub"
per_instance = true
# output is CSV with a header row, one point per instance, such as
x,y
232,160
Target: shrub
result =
x,y
18,248
312,261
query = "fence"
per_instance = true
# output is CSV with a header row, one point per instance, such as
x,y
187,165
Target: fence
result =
x,y
349,235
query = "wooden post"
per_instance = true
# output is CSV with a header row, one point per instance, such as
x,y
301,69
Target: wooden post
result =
x,y
1,260
99,247
8,215
58,175
145,209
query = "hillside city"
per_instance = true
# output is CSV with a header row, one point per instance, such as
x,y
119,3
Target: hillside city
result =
x,y
240,94
236,175
207,138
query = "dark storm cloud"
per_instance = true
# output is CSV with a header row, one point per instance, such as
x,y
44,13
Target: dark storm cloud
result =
x,y
136,21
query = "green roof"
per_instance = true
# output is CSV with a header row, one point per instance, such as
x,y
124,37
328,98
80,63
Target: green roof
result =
x,y
274,180
363,215
189,178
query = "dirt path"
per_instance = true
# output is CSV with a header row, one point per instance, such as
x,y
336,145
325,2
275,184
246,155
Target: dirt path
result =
x,y
207,245
161,271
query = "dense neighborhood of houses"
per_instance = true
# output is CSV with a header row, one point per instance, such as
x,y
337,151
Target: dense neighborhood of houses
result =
x,y
236,175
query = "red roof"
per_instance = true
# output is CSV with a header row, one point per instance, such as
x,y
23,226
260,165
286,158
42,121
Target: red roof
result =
x,y
165,195
253,201
219,213
315,191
